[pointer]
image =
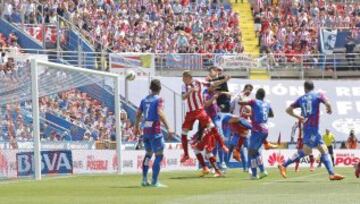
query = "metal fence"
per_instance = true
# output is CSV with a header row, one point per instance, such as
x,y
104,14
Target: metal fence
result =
x,y
238,63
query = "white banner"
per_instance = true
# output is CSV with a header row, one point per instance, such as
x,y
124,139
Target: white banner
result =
x,y
328,40
240,61
105,161
343,158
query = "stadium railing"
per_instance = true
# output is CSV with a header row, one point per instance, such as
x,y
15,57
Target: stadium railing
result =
x,y
279,65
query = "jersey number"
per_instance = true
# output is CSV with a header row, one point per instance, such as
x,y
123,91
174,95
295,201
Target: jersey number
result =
x,y
307,107
147,109
266,113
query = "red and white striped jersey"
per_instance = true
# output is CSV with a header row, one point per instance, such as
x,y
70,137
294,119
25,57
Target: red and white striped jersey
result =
x,y
195,100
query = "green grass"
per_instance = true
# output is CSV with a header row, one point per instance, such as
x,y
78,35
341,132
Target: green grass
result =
x,y
185,187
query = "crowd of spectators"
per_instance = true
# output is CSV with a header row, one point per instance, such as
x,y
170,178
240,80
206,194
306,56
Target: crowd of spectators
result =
x,y
14,125
164,26
73,106
82,110
8,68
292,27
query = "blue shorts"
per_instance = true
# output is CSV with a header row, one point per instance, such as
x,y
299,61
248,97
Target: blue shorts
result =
x,y
257,139
312,137
221,121
154,143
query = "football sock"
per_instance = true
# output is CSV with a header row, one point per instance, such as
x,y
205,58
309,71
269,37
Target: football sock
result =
x,y
244,159
325,158
260,163
145,166
253,163
212,161
156,168
297,156
184,142
312,160
200,158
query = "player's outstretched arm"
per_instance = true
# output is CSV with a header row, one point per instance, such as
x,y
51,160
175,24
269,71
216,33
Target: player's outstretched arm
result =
x,y
244,102
219,82
235,119
326,102
229,94
290,111
328,107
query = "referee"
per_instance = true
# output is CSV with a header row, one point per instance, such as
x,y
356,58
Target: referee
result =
x,y
329,140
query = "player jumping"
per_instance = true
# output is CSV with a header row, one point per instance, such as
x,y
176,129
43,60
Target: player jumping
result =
x,y
192,93
310,115
151,107
261,110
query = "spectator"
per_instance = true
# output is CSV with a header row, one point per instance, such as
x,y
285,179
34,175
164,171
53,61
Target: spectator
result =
x,y
54,137
350,56
343,145
352,142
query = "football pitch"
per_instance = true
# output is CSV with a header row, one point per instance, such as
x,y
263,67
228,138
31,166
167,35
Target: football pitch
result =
x,y
186,187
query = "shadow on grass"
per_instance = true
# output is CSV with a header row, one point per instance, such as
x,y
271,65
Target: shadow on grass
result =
x,y
292,181
196,177
126,187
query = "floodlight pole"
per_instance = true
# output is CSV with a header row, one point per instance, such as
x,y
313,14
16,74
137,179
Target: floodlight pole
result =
x,y
36,118
118,126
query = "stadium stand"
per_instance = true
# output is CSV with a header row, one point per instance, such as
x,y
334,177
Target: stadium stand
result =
x,y
294,28
141,26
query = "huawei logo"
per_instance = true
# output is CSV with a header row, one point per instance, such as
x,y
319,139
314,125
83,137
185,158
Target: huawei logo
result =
x,y
276,158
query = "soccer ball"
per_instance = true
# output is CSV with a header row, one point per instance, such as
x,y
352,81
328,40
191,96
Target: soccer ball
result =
x,y
130,75
357,170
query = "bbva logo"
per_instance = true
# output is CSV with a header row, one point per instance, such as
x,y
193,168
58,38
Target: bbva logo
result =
x,y
52,162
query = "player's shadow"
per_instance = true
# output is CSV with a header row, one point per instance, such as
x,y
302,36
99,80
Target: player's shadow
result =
x,y
126,187
191,177
289,181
